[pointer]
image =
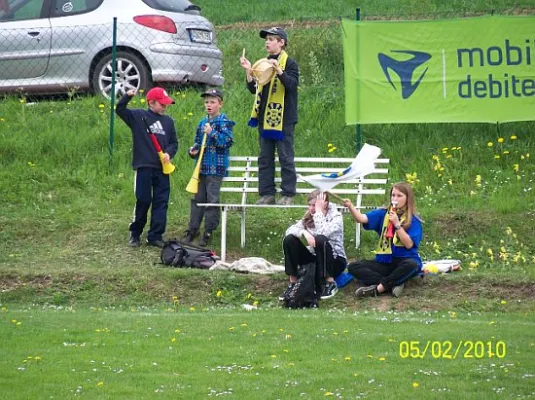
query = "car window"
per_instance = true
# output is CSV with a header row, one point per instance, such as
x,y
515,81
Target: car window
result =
x,y
174,6
19,10
63,8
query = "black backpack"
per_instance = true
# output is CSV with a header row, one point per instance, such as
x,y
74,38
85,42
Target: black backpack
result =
x,y
177,254
303,294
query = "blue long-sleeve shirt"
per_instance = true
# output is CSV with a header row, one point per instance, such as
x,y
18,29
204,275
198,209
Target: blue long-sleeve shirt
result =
x,y
218,142
144,154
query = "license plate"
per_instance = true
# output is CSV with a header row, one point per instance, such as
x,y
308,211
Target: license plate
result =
x,y
200,36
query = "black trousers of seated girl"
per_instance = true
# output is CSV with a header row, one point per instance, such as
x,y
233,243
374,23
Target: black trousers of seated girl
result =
x,y
322,230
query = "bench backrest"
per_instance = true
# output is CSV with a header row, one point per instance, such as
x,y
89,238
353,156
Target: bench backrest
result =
x,y
243,178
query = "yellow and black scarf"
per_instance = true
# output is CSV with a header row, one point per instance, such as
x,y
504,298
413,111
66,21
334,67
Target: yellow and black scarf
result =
x,y
383,252
274,112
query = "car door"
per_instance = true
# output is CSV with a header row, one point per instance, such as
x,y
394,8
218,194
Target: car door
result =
x,y
25,38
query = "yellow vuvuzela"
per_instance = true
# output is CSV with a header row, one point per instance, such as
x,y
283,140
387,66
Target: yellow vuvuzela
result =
x,y
193,184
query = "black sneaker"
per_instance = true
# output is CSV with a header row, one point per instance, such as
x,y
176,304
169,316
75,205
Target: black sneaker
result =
x,y
156,243
205,239
134,241
329,290
287,291
189,236
366,291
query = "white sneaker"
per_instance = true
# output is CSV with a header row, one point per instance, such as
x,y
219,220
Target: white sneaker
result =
x,y
396,291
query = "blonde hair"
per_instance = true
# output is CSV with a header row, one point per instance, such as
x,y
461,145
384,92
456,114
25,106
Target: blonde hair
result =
x,y
410,205
308,219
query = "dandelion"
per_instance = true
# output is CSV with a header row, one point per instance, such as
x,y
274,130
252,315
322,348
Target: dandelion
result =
x,y
490,144
273,356
329,394
330,145
177,330
192,308
472,193
453,314
500,140
173,340
231,328
444,149
244,324
497,156
382,358
474,264
332,149
516,168
31,164
513,137
415,385
347,358
37,359
142,101
101,106
2,120
506,152
190,113
219,293
503,302
450,182
100,384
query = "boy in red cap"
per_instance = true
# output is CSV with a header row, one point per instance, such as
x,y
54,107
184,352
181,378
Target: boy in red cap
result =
x,y
151,185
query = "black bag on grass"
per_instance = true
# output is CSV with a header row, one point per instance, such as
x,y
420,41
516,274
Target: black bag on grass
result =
x,y
303,294
177,254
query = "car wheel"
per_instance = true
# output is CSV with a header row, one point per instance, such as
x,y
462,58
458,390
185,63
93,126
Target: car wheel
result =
x,y
131,73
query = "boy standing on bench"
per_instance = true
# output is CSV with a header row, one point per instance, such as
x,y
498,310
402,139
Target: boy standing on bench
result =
x,y
275,115
214,164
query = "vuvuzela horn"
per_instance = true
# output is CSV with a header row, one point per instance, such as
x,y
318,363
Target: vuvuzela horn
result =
x,y
193,184
166,165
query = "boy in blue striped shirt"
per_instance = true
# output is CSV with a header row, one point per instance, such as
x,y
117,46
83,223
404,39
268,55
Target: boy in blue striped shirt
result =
x,y
218,130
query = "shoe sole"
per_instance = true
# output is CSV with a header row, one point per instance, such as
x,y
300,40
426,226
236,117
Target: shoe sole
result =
x,y
329,296
364,292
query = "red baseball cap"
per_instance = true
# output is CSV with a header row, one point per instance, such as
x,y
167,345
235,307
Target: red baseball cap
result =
x,y
160,95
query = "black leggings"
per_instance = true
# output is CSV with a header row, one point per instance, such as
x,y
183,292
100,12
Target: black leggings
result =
x,y
296,254
369,272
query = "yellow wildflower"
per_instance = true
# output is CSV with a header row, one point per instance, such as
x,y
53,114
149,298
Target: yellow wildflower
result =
x,y
500,140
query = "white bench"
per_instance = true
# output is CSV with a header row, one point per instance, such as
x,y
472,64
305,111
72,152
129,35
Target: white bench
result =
x,y
242,179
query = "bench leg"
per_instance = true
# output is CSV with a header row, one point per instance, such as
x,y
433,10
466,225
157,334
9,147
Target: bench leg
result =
x,y
224,234
357,235
243,228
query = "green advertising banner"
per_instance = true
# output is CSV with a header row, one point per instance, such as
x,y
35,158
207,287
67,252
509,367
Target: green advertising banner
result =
x,y
465,70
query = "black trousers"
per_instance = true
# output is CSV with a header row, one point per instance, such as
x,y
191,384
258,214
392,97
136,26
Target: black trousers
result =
x,y
370,272
296,254
266,164
152,190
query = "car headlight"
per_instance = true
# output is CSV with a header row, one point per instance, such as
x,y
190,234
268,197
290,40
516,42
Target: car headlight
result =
x,y
200,36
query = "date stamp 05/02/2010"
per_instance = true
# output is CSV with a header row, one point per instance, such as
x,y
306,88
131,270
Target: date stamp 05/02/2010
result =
x,y
451,350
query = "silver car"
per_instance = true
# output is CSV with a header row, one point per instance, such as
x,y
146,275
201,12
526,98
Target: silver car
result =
x,y
51,46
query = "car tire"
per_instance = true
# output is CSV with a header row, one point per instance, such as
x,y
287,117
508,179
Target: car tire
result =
x,y
132,73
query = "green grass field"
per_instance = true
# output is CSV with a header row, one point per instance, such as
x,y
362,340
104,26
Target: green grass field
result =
x,y
82,314
180,352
